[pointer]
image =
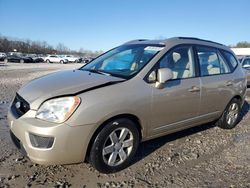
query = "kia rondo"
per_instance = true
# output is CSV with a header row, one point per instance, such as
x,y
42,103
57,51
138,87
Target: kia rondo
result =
x,y
140,90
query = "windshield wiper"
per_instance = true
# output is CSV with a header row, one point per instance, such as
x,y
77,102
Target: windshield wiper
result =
x,y
105,73
97,71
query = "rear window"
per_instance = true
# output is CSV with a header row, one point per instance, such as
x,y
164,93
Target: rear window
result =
x,y
230,59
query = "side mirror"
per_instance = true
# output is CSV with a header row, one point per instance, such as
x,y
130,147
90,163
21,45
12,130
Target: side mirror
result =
x,y
163,75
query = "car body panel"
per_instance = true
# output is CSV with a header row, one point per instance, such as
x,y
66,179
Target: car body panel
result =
x,y
53,85
174,103
67,147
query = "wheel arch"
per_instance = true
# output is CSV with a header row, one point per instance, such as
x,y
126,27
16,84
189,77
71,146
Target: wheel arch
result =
x,y
132,117
238,97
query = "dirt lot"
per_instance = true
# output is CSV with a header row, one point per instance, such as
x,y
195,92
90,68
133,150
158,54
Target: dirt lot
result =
x,y
204,156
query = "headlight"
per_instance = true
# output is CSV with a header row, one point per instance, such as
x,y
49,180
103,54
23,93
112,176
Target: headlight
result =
x,y
58,110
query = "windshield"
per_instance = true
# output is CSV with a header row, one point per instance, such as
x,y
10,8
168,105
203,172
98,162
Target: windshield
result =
x,y
124,61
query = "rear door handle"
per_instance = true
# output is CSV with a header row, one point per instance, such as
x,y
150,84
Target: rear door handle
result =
x,y
229,83
194,89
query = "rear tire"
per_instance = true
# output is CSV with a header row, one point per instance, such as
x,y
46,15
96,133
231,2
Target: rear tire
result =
x,y
62,62
21,61
230,116
5,60
47,61
115,146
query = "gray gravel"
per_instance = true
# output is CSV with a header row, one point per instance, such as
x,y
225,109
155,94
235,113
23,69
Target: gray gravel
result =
x,y
204,156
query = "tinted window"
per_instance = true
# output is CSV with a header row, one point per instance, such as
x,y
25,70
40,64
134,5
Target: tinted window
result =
x,y
180,61
211,63
230,58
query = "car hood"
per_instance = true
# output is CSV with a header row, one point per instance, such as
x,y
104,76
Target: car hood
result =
x,y
63,83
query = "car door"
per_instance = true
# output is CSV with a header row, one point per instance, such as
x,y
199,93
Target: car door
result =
x,y
56,59
216,82
176,105
51,58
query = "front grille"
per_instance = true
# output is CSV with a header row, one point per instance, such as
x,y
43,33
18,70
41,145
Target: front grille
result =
x,y
19,106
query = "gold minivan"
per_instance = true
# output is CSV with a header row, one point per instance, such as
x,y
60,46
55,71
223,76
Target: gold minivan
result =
x,y
140,90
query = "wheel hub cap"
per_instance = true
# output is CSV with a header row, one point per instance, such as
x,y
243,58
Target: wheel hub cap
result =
x,y
232,114
117,146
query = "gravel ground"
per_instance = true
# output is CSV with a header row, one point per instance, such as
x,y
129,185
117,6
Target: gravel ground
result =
x,y
204,156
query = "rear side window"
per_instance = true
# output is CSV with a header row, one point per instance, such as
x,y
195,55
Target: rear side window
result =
x,y
211,62
231,59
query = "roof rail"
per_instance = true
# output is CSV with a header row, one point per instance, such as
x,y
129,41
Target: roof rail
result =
x,y
193,38
137,40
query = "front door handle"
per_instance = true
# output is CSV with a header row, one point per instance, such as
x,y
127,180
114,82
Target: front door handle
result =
x,y
194,89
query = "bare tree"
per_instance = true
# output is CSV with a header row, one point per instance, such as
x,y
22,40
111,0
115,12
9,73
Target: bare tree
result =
x,y
27,46
62,48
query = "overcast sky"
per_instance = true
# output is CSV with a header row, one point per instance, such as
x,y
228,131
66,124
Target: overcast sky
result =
x,y
103,24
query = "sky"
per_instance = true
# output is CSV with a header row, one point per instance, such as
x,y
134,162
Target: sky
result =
x,y
104,24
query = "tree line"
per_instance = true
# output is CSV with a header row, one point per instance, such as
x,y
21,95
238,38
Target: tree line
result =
x,y
40,47
243,44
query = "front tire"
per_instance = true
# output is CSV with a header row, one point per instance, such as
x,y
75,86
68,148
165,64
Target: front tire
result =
x,y
21,61
47,61
62,62
115,146
230,116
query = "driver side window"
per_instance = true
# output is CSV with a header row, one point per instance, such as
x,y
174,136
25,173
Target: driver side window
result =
x,y
180,61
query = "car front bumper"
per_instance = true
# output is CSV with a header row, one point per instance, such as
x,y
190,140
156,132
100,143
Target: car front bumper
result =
x,y
69,143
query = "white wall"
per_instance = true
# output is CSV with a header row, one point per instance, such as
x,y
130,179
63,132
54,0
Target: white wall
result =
x,y
241,51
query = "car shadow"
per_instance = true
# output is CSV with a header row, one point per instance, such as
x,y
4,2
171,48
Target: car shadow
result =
x,y
148,147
